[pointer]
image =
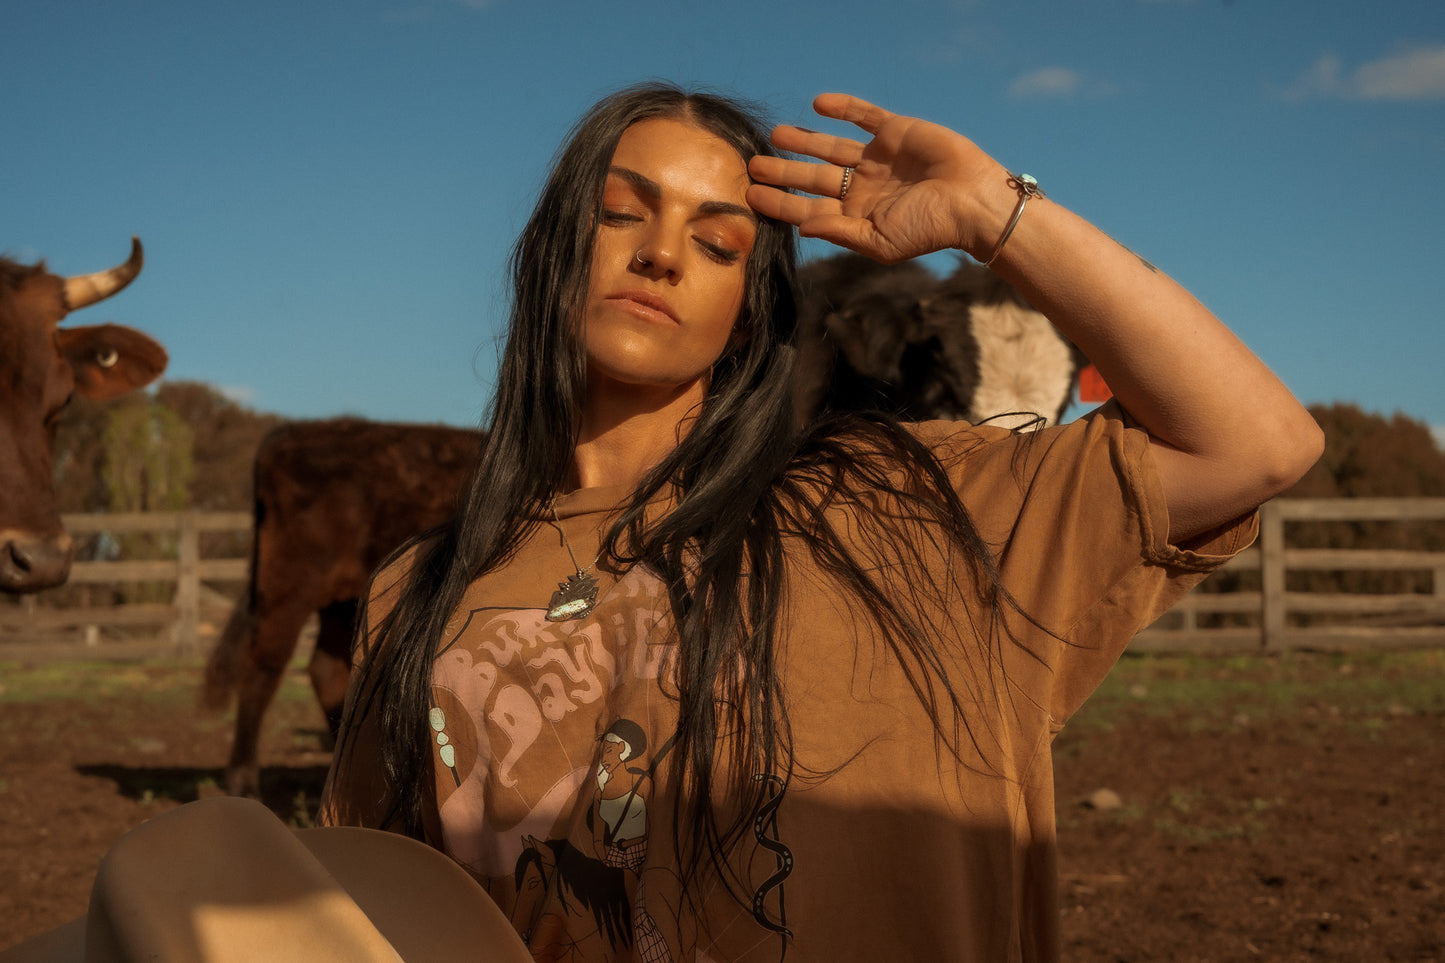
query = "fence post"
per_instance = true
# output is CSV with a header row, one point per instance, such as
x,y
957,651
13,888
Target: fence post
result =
x,y
188,583
1271,565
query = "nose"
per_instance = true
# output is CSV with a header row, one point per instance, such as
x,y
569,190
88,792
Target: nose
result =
x,y
658,257
29,563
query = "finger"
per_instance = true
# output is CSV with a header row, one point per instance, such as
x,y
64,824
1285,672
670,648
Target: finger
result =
x,y
822,218
782,206
855,110
855,234
825,180
843,151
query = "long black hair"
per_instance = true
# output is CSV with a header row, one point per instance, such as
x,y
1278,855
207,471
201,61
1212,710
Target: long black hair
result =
x,y
745,480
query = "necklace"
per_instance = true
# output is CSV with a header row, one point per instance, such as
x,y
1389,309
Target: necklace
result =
x,y
577,596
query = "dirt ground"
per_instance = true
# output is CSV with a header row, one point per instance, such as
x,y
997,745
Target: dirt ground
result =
x,y
1255,809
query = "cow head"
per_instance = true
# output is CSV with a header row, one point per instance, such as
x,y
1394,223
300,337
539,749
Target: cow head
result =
x,y
868,338
41,366
896,337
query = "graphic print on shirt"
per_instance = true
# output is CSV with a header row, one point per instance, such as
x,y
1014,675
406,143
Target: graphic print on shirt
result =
x,y
548,737
520,701
575,895
543,774
618,814
765,831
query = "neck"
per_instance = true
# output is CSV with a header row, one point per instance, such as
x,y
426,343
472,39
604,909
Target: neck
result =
x,y
628,429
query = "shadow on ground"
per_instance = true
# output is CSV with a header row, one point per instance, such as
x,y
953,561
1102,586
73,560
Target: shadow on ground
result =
x,y
291,792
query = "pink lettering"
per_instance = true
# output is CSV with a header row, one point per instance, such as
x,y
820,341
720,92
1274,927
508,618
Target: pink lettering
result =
x,y
576,666
504,643
552,694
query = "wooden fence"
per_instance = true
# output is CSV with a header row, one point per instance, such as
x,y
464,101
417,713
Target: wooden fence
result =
x,y
176,623
1269,618
1275,618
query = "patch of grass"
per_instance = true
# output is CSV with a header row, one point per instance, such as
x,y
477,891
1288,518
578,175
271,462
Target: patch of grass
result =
x,y
1211,692
301,812
1200,818
50,681
1181,801
1200,835
309,740
161,684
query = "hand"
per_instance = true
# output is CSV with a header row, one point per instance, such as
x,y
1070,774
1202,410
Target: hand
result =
x,y
908,194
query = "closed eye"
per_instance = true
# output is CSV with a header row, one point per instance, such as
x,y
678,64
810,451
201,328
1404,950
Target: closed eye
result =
x,y
723,255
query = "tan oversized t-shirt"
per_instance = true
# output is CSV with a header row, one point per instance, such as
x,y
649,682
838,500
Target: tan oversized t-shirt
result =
x,y
893,839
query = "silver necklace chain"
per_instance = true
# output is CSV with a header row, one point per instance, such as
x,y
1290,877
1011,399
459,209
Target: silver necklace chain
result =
x,y
576,597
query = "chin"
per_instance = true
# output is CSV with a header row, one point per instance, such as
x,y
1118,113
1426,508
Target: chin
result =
x,y
644,377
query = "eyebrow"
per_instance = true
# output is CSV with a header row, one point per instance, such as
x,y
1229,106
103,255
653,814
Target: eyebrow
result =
x,y
650,189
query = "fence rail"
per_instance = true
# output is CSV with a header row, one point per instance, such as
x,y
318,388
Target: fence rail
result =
x,y
1272,618
178,622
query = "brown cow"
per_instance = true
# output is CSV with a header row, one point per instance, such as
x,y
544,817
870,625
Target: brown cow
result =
x,y
333,498
41,366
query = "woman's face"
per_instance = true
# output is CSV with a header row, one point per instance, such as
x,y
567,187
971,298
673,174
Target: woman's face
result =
x,y
670,260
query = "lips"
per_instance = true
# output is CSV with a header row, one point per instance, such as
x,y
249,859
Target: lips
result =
x,y
644,304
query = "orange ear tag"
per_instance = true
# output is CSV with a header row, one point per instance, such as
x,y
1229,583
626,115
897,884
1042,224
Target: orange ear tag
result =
x,y
1092,389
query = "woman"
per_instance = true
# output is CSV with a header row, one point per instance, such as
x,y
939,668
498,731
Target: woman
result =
x,y
843,651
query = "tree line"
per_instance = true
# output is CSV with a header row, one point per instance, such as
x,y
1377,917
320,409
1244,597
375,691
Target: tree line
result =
x,y
187,445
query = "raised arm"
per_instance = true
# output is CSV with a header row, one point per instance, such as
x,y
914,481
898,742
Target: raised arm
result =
x,y
1226,433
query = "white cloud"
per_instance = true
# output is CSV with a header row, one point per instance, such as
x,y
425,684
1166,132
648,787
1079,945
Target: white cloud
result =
x,y
1414,74
1322,79
1058,83
1438,431
1047,82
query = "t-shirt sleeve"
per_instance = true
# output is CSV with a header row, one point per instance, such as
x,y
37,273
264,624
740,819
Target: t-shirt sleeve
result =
x,y
1077,519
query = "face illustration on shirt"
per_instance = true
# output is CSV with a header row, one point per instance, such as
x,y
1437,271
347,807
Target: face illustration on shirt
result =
x,y
614,751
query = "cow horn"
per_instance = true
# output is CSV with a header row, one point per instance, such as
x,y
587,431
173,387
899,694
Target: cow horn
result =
x,y
86,289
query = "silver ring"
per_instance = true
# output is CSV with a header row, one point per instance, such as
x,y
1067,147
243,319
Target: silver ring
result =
x,y
847,182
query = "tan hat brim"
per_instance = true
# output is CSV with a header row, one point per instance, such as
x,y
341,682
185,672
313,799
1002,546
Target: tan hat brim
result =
x,y
223,880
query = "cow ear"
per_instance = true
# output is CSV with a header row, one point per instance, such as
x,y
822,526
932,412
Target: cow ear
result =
x,y
109,360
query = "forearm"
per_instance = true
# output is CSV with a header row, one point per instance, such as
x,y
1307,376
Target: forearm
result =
x,y
1228,434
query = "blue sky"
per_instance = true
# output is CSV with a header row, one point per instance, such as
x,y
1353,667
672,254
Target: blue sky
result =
x,y
327,191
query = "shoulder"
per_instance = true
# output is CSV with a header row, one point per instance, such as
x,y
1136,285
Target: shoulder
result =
x,y
384,592
1106,425
976,452
388,580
